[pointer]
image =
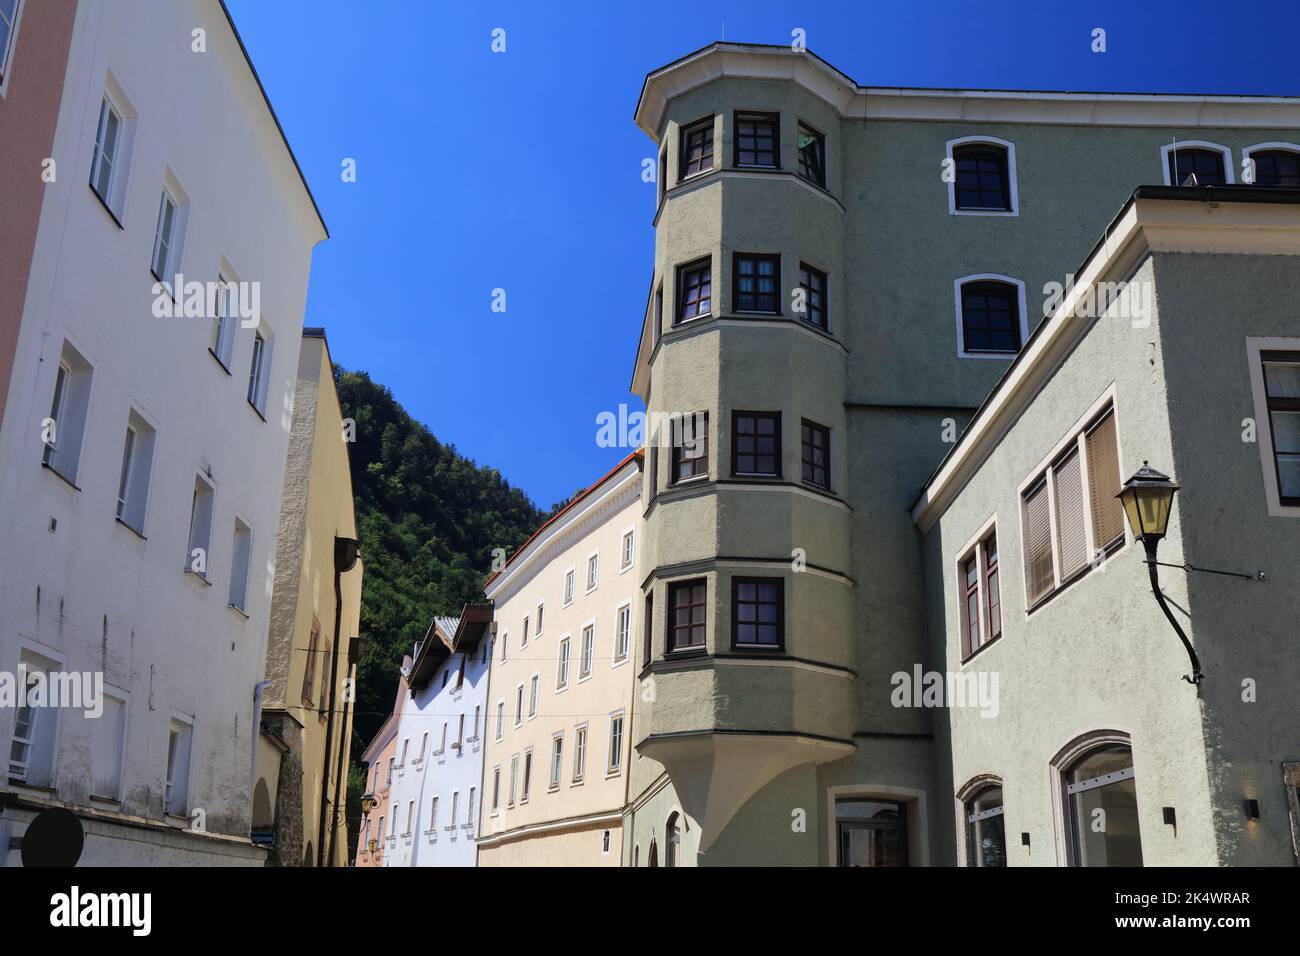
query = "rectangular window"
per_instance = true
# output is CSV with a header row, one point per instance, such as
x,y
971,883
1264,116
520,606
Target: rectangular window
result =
x,y
532,697
815,310
501,719
593,572
442,745
1282,399
622,633
523,640
514,779
588,650
663,173
473,730
557,759
562,666
579,752
568,586
222,335
756,444
697,149
1075,498
240,558
424,743
659,313
496,788
137,465
541,611
690,437
108,138
649,629
694,291
410,815
686,605
259,371
8,20
433,815
164,240
980,606
627,553
176,789
31,750
469,809
455,807
69,409
757,142
528,773
519,705
758,612
196,559
460,731
755,282
614,762
108,737
812,155
816,454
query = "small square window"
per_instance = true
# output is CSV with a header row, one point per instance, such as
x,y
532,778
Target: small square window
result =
x,y
756,444
757,141
758,612
756,281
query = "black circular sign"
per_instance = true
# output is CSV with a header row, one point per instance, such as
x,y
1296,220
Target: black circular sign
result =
x,y
53,838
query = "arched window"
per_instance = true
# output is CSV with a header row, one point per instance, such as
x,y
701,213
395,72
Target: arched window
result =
x,y
1275,166
1101,808
986,840
674,840
653,859
1210,163
983,174
990,316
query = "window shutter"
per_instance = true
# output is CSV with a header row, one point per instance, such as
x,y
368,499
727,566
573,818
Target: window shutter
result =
x,y
1069,514
1104,483
1037,529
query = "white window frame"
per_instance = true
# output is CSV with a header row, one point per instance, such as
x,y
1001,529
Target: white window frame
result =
x,y
1010,147
1247,151
165,270
585,675
1263,425
1225,151
42,721
259,369
514,779
563,662
523,638
526,780
534,692
123,698
629,534
241,565
519,704
540,618
592,561
580,739
496,789
70,405
555,762
136,476
501,718
570,586
961,329
203,541
613,769
169,776
618,661
221,335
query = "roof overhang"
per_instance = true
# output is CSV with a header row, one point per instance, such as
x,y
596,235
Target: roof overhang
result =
x,y
1242,220
852,101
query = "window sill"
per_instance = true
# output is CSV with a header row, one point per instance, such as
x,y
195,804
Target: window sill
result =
x,y
238,610
619,661
256,411
611,774
686,653
981,649
46,466
224,367
753,475
135,531
625,568
757,648
561,688
977,211
686,481
583,678
766,167
202,578
107,208
969,354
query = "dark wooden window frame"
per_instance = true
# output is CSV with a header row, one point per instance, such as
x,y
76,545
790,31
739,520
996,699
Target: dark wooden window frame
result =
x,y
1195,152
736,416
683,161
670,628
804,448
982,150
684,271
756,116
700,470
1273,154
987,286
1278,404
736,644
818,177
806,273
737,258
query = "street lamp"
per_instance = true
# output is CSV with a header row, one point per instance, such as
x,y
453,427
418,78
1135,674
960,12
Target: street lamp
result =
x,y
1147,498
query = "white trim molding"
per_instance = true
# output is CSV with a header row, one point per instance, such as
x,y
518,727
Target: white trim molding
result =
x,y
1014,191
1020,304
1264,424
1247,151
1173,147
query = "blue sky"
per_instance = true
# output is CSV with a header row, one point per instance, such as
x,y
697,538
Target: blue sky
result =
x,y
522,170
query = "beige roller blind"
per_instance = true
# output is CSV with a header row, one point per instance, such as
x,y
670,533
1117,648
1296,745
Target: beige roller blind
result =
x,y
1070,529
1104,483
1037,529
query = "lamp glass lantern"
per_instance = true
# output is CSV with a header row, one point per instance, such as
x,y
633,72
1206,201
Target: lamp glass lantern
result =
x,y
1147,498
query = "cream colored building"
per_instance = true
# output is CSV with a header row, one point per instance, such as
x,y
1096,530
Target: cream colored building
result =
x,y
308,660
560,687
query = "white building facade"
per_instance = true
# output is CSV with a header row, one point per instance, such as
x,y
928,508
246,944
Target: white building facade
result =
x,y
436,793
142,455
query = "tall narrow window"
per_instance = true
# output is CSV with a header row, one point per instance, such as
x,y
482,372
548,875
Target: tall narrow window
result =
x,y
757,141
755,281
758,612
107,138
593,571
568,586
528,773
176,789
1071,534
816,454
309,666
455,807
674,839
756,444
240,559
983,179
163,240
812,155
990,317
108,737
649,624
562,666
627,551
579,752
980,603
622,633
469,808
496,788
514,779
697,149
986,841
257,372
1104,483
659,312
694,291
588,650
1036,526
614,761
69,410
686,606
1276,167
8,20
137,463
690,437
196,558
557,759
814,305
992,592
523,640
1101,785
541,616
519,704
31,749
1282,398
222,335
532,697
501,719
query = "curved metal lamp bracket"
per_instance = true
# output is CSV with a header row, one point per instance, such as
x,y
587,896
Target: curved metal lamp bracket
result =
x,y
1196,676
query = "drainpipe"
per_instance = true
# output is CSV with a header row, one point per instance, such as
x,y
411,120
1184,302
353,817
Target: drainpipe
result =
x,y
343,736
346,552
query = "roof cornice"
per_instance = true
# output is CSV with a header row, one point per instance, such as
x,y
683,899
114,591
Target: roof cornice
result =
x,y
853,101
